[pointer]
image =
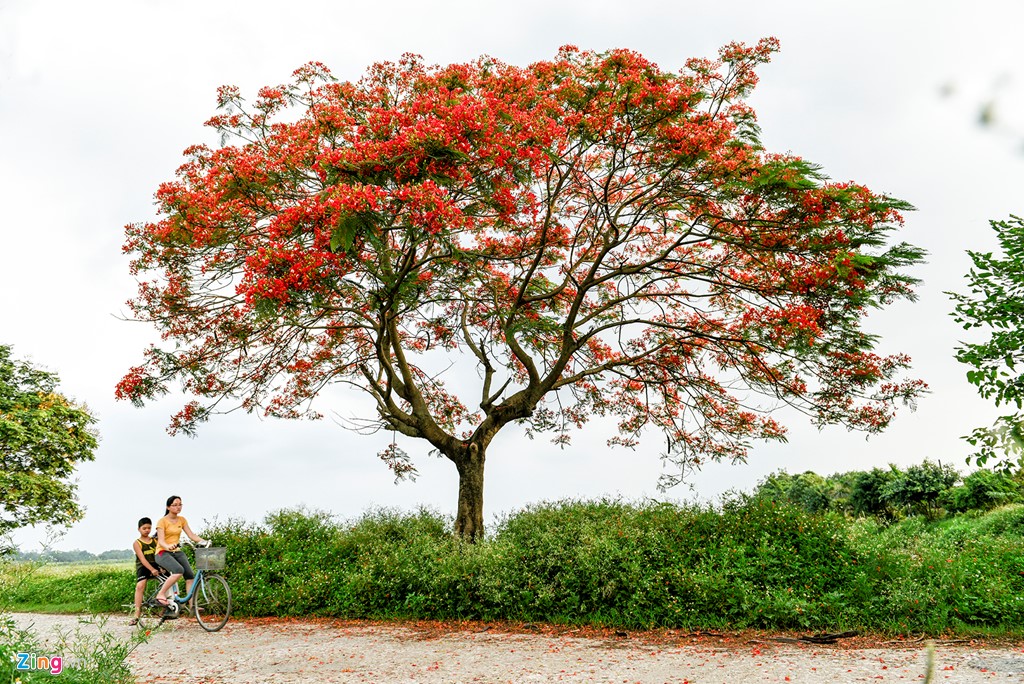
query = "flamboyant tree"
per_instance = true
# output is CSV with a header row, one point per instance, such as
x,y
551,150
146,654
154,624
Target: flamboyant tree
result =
x,y
43,436
592,235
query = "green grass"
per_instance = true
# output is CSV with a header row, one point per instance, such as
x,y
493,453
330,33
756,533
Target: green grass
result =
x,y
78,567
70,588
752,565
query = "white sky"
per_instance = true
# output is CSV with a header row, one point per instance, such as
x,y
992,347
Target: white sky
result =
x,y
97,101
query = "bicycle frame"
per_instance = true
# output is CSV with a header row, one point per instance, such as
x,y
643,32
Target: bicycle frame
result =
x,y
191,590
178,598
208,599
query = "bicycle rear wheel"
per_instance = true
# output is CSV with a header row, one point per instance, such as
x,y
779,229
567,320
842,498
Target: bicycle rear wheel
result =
x,y
152,614
212,602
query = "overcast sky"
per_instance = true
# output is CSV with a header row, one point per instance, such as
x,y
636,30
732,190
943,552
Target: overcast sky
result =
x,y
97,101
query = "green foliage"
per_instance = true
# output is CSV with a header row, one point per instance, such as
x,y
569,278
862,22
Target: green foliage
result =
x,y
90,654
43,436
983,490
952,574
919,488
752,563
95,655
13,641
1003,522
889,494
80,589
867,492
996,302
809,491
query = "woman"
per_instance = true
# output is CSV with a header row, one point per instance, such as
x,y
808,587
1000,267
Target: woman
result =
x,y
169,555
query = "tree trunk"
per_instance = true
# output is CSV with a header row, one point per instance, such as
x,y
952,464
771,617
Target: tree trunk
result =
x,y
469,522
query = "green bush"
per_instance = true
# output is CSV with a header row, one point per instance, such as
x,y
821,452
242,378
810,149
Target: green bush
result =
x,y
1005,521
809,491
983,490
952,574
752,563
604,562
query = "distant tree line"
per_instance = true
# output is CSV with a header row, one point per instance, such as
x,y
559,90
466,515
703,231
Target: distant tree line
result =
x,y
76,556
931,489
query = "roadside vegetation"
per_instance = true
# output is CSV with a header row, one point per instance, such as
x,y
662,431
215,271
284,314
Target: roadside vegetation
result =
x,y
886,551
89,654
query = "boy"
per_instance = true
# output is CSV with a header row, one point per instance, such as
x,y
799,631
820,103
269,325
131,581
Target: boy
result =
x,y
145,563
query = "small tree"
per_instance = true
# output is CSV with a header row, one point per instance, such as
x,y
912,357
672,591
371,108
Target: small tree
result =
x,y
839,489
43,436
807,490
775,487
867,491
481,244
996,302
920,488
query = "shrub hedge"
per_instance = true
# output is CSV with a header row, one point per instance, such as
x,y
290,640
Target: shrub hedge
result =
x,y
751,563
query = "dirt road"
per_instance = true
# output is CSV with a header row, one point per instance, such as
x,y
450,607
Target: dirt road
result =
x,y
276,651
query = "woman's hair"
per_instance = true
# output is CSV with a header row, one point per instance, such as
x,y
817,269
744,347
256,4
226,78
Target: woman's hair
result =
x,y
144,521
170,500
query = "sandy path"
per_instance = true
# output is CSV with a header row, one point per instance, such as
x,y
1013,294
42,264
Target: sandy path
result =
x,y
258,651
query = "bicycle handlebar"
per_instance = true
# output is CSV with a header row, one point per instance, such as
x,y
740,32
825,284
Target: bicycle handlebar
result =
x,y
206,543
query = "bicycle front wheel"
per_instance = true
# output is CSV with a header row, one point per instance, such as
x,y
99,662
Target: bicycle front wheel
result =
x,y
212,602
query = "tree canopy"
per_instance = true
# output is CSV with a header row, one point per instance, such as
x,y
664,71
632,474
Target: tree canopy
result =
x,y
996,303
480,244
43,436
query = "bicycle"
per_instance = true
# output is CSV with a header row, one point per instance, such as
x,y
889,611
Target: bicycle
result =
x,y
209,598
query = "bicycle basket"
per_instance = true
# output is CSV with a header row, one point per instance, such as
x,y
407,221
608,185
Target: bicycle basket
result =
x,y
211,558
